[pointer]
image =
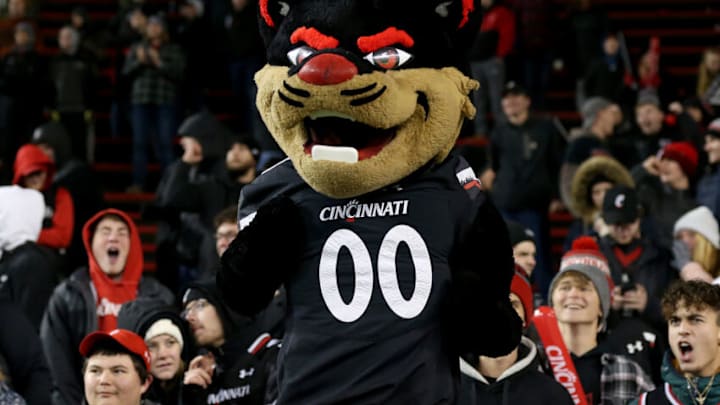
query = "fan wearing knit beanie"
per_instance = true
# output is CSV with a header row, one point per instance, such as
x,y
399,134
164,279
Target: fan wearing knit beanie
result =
x,y
684,155
169,341
580,295
522,240
676,159
697,246
665,186
583,268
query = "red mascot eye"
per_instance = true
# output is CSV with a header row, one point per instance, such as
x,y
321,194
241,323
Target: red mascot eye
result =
x,y
388,58
297,55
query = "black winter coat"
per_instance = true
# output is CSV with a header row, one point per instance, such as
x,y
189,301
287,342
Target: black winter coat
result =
x,y
21,350
30,274
527,161
522,383
652,270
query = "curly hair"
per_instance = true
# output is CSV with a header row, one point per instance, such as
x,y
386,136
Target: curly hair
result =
x,y
692,294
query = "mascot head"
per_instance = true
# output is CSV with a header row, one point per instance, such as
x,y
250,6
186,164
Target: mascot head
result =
x,y
361,93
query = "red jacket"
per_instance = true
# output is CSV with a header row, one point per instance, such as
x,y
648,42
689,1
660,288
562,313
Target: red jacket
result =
x,y
57,234
501,19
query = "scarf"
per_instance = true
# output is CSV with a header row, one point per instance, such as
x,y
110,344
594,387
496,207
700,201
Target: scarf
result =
x,y
111,293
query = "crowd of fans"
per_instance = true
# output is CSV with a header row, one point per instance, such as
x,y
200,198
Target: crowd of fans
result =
x,y
640,176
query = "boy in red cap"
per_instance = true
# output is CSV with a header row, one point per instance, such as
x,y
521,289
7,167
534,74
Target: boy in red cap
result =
x,y
105,354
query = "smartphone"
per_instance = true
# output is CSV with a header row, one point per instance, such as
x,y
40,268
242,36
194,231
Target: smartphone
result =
x,y
629,286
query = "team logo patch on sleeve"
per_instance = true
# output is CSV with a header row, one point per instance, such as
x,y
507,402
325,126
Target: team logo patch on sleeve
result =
x,y
469,181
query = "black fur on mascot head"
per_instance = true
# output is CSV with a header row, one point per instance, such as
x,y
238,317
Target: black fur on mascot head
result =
x,y
394,259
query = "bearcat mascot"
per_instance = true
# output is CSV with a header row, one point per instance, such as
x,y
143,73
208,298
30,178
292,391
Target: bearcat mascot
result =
x,y
393,258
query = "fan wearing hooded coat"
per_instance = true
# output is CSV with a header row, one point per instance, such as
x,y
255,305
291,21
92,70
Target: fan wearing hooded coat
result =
x,y
34,169
206,179
27,270
89,300
592,179
77,178
237,357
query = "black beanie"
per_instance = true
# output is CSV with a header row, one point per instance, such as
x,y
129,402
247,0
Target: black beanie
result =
x,y
519,233
208,290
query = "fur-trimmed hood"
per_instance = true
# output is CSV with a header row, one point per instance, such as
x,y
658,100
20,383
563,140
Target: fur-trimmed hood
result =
x,y
587,174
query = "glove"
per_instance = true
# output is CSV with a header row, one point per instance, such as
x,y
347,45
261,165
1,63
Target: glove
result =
x,y
681,254
484,324
262,257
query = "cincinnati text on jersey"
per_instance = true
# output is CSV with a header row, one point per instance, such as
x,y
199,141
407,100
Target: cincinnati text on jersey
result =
x,y
354,210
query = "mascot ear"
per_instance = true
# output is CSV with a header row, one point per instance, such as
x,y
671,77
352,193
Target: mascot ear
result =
x,y
271,13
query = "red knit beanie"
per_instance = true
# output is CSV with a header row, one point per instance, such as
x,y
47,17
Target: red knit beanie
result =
x,y
521,287
685,154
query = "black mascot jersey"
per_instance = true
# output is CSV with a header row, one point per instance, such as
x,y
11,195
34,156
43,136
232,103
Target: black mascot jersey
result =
x,y
365,311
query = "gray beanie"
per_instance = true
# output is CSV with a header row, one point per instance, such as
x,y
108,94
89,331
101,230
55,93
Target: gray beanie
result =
x,y
590,109
702,221
647,96
585,257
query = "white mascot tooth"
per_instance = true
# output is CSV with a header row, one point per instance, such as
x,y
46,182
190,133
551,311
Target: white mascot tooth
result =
x,y
335,153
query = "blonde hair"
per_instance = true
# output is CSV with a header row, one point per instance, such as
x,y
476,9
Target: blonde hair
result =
x,y
706,255
704,76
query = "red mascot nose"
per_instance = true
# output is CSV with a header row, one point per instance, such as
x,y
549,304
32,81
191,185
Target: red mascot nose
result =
x,y
327,68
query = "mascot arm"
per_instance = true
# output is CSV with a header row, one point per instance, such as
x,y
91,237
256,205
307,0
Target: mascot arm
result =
x,y
261,257
484,321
